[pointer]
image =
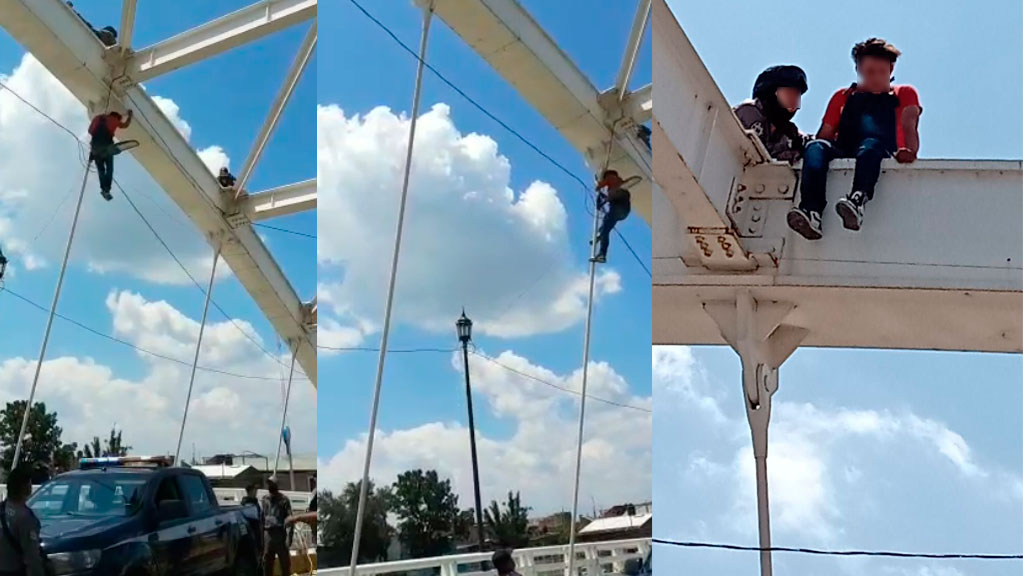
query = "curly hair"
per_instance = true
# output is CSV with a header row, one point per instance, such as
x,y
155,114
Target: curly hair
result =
x,y
877,48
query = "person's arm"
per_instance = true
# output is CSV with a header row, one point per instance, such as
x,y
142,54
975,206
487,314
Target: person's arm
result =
x,y
752,119
305,517
909,119
128,120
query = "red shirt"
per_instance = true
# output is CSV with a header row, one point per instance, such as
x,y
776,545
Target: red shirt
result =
x,y
906,93
112,123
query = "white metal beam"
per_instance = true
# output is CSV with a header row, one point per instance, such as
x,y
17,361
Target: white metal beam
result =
x,y
639,105
127,25
68,48
636,37
504,34
291,80
240,27
281,201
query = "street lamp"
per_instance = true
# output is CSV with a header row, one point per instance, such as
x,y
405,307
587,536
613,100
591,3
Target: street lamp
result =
x,y
464,328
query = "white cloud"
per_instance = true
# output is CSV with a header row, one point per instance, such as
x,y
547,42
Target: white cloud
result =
x,y
43,168
469,240
227,414
538,458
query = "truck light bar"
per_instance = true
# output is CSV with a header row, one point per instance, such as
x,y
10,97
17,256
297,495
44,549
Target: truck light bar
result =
x,y
126,462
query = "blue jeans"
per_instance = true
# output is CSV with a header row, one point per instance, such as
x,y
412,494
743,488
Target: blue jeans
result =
x,y
820,153
104,158
616,213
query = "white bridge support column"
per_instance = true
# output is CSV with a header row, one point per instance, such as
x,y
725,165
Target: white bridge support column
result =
x,y
757,332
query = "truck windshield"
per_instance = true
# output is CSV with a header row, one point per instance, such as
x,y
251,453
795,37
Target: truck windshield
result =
x,y
88,496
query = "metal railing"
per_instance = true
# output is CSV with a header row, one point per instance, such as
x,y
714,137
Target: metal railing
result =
x,y
592,559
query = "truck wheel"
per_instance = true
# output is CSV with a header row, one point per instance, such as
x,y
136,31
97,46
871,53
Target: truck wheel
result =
x,y
245,565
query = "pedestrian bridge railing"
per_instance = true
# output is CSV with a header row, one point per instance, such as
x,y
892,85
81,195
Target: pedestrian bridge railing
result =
x,y
594,558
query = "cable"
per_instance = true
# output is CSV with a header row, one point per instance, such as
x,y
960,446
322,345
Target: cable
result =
x,y
106,336
556,386
490,115
285,230
390,350
816,552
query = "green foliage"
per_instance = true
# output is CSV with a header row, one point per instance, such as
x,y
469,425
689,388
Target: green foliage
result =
x,y
428,513
337,520
508,526
113,447
42,446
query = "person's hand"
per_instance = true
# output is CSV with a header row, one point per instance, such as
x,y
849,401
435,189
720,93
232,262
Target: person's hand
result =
x,y
905,155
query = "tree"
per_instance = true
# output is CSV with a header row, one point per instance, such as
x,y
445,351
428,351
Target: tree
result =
x,y
42,446
508,527
113,447
338,520
428,513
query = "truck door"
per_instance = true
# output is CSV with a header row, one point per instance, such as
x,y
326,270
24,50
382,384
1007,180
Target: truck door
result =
x,y
212,540
172,543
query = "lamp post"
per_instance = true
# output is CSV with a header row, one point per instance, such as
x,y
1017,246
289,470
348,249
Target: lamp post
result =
x,y
464,328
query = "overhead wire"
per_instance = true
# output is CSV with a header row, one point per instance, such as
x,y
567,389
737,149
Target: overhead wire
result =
x,y
284,230
112,338
817,552
500,122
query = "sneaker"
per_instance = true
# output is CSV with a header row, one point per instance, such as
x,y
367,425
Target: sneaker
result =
x,y
851,210
805,223
600,259
106,195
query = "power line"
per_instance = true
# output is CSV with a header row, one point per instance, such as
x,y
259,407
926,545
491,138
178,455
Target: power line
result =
x,y
490,115
816,552
556,386
284,230
112,338
390,350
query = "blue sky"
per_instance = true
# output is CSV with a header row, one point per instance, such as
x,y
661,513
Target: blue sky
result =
x,y
223,101
425,389
890,450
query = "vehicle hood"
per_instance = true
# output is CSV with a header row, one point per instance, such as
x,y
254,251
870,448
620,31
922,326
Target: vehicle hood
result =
x,y
60,533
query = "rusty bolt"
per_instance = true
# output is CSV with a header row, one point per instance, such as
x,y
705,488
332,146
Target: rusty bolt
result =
x,y
741,187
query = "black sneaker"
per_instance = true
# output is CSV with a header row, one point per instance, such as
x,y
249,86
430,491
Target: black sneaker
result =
x,y
600,259
106,195
851,210
805,223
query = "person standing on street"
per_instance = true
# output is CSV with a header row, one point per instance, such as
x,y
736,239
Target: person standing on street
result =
x,y
20,550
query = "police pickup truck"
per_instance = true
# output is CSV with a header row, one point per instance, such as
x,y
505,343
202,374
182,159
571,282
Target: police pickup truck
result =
x,y
138,516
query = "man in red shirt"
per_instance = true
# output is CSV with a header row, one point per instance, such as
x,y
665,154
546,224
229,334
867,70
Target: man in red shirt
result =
x,y
102,148
871,120
617,198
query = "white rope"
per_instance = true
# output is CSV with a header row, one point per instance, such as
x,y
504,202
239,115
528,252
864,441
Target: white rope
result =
x,y
195,359
49,321
363,487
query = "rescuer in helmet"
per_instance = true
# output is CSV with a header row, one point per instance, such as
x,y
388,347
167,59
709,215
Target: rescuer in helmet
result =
x,y
769,114
871,120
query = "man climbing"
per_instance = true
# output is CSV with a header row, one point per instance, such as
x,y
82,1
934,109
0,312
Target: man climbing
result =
x,y
102,148
226,179
769,114
871,120
107,35
616,197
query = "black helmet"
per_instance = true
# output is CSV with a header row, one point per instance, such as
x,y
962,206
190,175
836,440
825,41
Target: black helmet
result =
x,y
780,77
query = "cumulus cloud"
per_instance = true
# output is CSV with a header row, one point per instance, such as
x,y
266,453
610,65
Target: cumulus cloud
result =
x,y
470,239
226,414
538,457
816,456
43,168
